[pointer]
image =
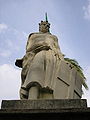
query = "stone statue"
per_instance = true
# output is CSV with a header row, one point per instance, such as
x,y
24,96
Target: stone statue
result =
x,y
40,64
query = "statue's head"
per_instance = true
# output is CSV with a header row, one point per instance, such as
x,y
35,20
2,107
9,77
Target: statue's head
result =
x,y
44,26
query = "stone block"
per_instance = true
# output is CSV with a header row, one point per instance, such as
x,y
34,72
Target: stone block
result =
x,y
44,104
68,82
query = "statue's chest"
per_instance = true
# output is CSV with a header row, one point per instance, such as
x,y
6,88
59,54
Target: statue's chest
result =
x,y
40,39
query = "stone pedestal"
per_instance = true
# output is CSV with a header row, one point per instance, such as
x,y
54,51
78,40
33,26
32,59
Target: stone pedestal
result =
x,y
44,104
67,109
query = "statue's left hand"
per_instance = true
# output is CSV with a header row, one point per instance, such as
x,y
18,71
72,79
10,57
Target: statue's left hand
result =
x,y
19,63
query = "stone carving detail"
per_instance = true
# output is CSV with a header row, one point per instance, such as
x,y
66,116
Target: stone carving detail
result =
x,y
40,64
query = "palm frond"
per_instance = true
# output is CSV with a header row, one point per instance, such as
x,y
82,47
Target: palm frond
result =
x,y
78,68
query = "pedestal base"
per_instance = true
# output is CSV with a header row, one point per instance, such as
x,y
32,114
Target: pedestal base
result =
x,y
44,104
69,109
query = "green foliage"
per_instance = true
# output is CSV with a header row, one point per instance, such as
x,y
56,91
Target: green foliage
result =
x,y
79,69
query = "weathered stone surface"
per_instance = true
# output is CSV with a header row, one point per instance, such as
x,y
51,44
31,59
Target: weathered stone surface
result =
x,y
70,109
45,73
44,104
68,82
40,64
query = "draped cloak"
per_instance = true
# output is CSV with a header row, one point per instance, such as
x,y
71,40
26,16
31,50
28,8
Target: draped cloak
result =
x,y
40,63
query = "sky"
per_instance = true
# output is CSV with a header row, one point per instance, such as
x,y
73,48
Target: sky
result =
x,y
70,22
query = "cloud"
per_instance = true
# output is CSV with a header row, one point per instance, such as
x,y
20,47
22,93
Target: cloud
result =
x,y
21,34
9,82
86,95
5,53
12,40
87,11
87,92
3,27
9,43
87,72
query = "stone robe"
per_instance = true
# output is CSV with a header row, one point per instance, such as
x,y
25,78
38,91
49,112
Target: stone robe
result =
x,y
41,63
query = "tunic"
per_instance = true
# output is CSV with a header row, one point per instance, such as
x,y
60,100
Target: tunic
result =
x,y
41,62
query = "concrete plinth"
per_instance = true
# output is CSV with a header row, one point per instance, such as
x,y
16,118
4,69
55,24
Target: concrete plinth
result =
x,y
44,104
69,109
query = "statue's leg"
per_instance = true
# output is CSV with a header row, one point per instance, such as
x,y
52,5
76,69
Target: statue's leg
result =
x,y
46,93
33,92
46,96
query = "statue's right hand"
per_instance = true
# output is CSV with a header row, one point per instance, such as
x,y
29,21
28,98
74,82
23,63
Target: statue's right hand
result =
x,y
18,62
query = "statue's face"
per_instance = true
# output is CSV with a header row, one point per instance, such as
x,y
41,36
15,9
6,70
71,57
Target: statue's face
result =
x,y
44,27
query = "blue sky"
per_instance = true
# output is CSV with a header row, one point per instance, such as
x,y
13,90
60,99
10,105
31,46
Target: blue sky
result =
x,y
70,22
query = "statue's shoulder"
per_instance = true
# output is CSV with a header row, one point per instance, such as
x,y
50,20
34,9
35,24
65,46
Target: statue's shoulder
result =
x,y
32,34
54,36
40,33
